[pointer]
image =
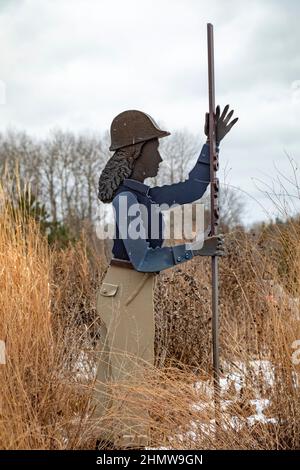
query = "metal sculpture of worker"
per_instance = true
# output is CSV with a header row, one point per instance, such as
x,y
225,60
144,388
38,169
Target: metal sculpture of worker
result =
x,y
125,298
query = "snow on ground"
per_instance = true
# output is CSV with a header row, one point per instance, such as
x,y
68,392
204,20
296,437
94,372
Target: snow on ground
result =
x,y
260,405
234,381
233,384
84,368
255,371
237,377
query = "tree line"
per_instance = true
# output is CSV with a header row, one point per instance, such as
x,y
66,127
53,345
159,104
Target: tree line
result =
x,y
62,172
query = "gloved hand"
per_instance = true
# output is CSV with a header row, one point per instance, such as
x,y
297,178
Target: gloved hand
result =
x,y
222,123
212,246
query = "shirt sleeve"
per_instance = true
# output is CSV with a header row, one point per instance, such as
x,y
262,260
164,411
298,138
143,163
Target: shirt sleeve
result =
x,y
142,256
189,190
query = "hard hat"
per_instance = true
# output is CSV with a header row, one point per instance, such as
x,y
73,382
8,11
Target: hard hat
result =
x,y
132,127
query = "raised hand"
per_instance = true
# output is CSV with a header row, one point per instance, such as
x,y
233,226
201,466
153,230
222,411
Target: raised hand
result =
x,y
213,246
223,125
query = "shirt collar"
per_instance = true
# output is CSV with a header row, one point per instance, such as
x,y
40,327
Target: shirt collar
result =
x,y
136,185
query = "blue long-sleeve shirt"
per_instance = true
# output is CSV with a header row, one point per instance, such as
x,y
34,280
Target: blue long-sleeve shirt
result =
x,y
145,252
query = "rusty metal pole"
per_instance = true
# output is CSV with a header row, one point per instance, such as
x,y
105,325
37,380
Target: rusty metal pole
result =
x,y
214,189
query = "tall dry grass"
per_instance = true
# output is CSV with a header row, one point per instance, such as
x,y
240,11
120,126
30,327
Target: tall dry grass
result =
x,y
40,396
50,327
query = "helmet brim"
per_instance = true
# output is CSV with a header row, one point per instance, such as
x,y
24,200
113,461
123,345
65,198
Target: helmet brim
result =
x,y
157,135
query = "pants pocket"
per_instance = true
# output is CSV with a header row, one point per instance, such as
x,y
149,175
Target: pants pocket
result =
x,y
105,294
106,301
108,290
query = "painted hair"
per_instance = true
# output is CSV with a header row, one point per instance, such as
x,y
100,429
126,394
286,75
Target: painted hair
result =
x,y
118,167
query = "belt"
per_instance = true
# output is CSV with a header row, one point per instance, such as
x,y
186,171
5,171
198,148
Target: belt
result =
x,y
123,263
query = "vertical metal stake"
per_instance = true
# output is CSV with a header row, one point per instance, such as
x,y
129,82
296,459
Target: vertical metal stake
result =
x,y
214,217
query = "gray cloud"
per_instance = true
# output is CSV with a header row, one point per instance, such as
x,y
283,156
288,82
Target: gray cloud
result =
x,y
77,64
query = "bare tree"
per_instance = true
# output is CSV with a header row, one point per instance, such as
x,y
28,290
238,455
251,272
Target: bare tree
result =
x,y
179,153
63,171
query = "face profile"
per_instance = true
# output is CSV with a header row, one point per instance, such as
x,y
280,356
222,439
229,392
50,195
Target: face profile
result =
x,y
147,164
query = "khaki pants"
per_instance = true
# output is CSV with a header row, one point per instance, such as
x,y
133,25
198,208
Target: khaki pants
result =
x,y
125,305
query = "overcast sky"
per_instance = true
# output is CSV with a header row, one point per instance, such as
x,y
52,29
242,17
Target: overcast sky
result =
x,y
75,64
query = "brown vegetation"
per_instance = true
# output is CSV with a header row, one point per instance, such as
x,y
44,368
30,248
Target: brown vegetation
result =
x,y
48,322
